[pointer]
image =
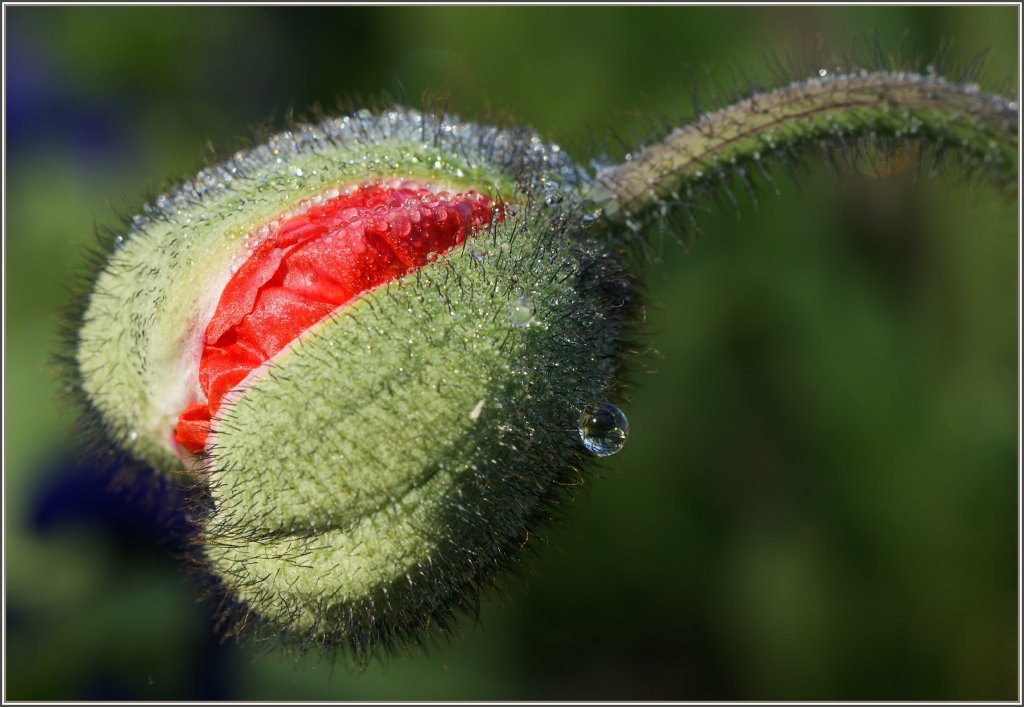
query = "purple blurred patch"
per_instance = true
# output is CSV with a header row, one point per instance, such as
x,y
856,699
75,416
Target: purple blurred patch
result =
x,y
47,112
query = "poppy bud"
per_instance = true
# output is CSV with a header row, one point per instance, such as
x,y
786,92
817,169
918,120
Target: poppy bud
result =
x,y
383,345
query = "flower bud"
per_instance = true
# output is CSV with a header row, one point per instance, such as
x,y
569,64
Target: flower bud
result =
x,y
375,342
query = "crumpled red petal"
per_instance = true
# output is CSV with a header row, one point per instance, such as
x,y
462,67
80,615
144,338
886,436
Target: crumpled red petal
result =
x,y
314,263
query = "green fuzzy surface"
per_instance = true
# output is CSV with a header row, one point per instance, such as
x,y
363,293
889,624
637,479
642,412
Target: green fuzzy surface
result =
x,y
409,442
371,477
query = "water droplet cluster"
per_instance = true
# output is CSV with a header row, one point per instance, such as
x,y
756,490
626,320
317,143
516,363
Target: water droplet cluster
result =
x,y
165,273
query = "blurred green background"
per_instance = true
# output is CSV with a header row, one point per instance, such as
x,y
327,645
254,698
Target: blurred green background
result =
x,y
818,499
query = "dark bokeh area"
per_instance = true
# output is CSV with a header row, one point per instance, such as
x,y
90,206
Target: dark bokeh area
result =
x,y
818,499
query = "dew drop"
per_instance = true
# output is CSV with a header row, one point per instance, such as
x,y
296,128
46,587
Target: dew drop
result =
x,y
592,214
822,73
133,435
118,242
521,313
604,430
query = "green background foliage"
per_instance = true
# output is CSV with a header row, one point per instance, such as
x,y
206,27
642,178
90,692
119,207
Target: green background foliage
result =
x,y
818,497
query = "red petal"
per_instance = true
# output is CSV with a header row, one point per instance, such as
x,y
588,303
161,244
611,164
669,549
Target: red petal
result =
x,y
314,263
193,427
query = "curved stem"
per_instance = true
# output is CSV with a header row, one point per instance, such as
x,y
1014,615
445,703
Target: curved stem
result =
x,y
825,111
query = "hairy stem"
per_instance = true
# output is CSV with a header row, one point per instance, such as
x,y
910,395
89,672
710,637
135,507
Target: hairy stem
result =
x,y
827,111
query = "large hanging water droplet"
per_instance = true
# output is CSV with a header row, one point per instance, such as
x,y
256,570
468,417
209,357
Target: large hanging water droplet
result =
x,y
520,314
604,430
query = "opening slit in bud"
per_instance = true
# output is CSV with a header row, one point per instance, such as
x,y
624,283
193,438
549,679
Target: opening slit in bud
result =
x,y
313,264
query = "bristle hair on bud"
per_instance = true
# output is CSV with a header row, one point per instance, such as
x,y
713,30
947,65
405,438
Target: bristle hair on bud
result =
x,y
367,474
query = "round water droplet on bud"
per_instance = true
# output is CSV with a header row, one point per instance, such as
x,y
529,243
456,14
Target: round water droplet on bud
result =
x,y
604,430
521,313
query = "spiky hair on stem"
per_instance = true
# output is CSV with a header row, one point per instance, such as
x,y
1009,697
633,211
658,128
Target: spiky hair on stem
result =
x,y
363,479
927,117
